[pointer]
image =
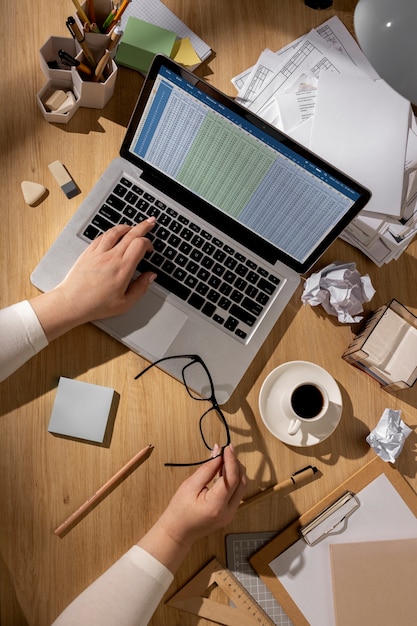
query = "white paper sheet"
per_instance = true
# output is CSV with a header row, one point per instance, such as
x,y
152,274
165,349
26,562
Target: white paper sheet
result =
x,y
351,130
271,88
312,56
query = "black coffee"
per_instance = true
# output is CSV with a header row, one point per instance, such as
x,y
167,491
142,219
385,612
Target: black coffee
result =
x,y
307,401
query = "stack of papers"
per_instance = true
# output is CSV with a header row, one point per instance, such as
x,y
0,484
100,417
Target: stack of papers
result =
x,y
322,91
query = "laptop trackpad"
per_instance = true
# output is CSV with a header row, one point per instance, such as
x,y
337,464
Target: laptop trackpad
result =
x,y
149,328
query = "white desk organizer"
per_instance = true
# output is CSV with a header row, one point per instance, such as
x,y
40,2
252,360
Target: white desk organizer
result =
x,y
47,90
87,93
49,52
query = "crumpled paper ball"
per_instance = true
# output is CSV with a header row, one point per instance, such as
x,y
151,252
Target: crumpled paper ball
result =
x,y
388,437
340,289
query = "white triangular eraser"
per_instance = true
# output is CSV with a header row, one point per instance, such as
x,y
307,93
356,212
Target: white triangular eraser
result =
x,y
32,192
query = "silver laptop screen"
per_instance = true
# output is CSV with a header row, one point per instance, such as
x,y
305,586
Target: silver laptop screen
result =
x,y
282,196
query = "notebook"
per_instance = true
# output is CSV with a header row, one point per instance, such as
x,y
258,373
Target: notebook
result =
x,y
242,211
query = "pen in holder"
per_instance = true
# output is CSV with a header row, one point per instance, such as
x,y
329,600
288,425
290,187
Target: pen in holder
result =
x,y
101,11
82,64
96,92
95,50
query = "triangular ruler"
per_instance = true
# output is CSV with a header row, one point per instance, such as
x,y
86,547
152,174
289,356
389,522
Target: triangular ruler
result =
x,y
193,599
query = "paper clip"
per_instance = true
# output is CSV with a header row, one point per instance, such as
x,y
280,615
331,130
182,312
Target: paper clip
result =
x,y
332,520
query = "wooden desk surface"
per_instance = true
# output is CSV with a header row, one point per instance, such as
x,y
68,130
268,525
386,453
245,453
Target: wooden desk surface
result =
x,y
44,478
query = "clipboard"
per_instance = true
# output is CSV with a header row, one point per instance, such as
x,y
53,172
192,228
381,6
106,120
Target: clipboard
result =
x,y
284,562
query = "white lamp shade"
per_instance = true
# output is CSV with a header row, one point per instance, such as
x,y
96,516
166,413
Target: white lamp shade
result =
x,y
387,33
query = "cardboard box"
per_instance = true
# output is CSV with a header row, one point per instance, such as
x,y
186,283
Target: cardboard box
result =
x,y
386,347
140,42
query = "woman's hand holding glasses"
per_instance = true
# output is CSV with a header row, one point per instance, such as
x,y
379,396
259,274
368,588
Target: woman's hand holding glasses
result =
x,y
198,508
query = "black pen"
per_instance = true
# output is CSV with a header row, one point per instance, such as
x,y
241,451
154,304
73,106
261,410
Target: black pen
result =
x,y
76,33
298,477
71,61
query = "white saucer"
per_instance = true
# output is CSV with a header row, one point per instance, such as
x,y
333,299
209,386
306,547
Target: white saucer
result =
x,y
272,412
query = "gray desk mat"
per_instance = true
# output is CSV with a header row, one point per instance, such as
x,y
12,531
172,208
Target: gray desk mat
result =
x,y
239,548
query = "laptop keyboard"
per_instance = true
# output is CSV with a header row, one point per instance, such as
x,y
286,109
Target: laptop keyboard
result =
x,y
190,262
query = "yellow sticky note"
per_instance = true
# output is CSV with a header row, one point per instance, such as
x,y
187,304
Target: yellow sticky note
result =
x,y
184,53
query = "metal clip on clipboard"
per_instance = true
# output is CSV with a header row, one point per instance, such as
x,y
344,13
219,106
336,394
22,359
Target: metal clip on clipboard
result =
x,y
332,520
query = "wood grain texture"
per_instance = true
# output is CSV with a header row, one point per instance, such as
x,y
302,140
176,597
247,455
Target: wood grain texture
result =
x,y
44,478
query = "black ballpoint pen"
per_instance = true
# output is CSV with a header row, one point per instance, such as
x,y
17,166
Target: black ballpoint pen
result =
x,y
70,61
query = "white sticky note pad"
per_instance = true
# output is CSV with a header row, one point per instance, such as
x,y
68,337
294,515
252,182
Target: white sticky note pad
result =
x,y
81,410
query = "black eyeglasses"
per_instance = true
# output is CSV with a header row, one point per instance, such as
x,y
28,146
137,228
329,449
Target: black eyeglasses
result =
x,y
213,418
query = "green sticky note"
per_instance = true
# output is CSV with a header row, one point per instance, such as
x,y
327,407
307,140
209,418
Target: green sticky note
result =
x,y
140,42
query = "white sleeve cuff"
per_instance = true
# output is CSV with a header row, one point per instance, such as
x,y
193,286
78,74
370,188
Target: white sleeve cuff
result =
x,y
151,565
21,337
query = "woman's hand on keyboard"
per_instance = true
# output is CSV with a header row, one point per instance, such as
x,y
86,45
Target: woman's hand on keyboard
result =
x,y
100,284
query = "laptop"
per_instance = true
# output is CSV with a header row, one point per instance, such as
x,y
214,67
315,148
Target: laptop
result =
x,y
242,212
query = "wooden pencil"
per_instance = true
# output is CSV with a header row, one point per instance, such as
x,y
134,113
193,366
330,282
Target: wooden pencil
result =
x,y
101,493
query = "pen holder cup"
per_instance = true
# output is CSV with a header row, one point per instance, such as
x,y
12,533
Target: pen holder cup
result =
x,y
102,8
49,54
96,43
95,95
47,90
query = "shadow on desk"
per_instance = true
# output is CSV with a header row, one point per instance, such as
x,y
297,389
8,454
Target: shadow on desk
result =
x,y
347,441
269,346
120,106
118,109
10,612
406,462
87,347
73,354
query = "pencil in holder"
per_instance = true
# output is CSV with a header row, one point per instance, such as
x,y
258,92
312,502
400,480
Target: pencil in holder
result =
x,y
95,91
102,9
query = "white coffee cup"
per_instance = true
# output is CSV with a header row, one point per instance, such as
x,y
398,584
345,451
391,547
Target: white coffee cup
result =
x,y
306,402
